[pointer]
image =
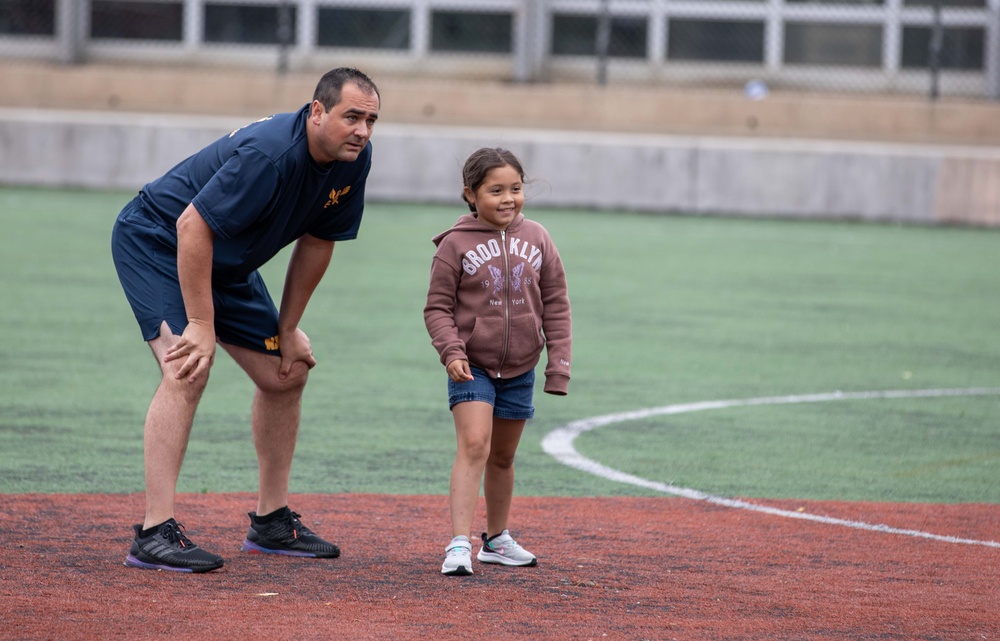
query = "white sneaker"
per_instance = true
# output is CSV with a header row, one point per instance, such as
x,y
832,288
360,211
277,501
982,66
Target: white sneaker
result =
x,y
458,557
505,550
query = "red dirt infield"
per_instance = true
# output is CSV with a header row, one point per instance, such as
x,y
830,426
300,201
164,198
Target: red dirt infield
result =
x,y
609,568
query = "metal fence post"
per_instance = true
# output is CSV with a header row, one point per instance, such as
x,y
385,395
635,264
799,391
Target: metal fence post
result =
x,y
934,50
992,69
603,41
68,33
529,40
285,35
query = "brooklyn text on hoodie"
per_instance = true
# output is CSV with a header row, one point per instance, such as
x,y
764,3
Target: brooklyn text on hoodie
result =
x,y
476,258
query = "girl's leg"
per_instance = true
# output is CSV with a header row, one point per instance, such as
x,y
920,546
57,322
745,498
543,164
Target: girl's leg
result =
x,y
499,483
473,426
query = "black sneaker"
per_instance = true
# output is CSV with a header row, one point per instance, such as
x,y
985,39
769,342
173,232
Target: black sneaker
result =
x,y
168,549
282,532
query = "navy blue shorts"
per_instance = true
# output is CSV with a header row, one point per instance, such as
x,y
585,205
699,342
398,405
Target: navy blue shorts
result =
x,y
511,398
145,257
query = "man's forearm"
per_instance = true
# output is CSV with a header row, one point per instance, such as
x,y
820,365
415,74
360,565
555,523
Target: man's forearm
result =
x,y
194,266
309,261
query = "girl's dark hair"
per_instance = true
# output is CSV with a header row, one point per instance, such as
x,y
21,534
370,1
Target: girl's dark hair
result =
x,y
329,87
481,162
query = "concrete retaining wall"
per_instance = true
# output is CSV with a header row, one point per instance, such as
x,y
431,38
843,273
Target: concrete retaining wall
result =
x,y
655,173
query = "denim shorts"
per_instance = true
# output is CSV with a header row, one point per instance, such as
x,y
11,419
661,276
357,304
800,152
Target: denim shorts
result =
x,y
510,397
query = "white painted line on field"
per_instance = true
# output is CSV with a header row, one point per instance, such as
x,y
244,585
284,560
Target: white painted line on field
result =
x,y
559,444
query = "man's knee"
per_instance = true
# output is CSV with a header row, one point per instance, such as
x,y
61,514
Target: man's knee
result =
x,y
190,391
293,382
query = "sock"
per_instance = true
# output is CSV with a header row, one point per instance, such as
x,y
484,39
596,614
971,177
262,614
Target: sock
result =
x,y
267,518
148,532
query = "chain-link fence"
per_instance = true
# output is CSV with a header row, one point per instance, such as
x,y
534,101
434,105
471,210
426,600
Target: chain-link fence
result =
x,y
932,47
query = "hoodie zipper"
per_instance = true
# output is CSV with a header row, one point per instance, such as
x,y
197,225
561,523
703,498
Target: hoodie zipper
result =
x,y
506,299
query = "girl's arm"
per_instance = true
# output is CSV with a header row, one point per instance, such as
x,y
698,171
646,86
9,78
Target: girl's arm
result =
x,y
557,324
439,312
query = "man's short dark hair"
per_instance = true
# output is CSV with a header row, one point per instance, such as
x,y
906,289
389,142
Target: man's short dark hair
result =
x,y
329,88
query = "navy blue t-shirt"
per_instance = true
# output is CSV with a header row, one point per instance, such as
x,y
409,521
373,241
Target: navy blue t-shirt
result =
x,y
259,190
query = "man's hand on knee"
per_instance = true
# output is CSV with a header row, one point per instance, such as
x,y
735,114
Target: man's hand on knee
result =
x,y
295,347
197,346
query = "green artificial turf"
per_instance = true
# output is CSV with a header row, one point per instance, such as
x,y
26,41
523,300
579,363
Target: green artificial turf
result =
x,y
667,310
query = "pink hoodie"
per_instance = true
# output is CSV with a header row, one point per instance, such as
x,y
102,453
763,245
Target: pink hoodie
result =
x,y
496,298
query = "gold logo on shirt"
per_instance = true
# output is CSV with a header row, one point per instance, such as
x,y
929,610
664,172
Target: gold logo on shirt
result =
x,y
273,343
335,196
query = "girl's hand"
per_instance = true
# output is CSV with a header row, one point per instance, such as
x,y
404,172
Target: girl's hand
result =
x,y
459,372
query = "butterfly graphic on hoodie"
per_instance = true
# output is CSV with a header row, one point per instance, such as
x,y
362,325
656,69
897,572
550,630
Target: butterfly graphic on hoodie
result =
x,y
515,277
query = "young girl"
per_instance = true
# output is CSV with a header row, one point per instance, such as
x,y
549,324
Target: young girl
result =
x,y
497,296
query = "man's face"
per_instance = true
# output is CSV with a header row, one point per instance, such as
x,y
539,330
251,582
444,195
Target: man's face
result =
x,y
341,133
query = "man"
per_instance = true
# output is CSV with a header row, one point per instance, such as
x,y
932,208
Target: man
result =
x,y
187,250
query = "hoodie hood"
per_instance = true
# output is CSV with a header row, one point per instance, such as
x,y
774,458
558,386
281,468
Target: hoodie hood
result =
x,y
471,222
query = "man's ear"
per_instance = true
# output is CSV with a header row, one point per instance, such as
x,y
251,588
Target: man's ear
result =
x,y
317,109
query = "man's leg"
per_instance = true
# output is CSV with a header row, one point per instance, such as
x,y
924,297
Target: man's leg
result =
x,y
166,432
277,407
160,542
